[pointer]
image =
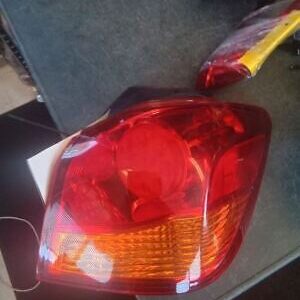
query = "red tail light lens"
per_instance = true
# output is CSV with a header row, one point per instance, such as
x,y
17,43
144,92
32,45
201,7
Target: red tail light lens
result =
x,y
244,52
154,200
224,69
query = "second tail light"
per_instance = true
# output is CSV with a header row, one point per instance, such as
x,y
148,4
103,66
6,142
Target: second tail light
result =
x,y
244,52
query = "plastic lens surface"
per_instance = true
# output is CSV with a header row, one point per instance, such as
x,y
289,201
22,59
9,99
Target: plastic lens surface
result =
x,y
154,200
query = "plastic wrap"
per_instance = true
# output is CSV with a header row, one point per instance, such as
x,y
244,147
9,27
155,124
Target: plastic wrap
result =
x,y
244,52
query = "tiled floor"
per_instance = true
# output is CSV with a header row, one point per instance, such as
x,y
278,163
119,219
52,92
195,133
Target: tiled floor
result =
x,y
13,92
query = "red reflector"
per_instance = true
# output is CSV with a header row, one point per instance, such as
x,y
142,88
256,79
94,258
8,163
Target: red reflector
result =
x,y
154,200
238,167
140,169
223,71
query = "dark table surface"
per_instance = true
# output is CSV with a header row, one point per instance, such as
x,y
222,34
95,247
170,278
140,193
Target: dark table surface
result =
x,y
84,54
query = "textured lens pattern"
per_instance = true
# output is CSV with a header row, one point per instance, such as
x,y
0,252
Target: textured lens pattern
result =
x,y
164,251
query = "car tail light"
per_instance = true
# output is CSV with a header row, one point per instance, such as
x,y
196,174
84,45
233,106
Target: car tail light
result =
x,y
244,52
156,199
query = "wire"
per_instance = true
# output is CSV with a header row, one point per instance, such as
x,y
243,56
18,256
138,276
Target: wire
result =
x,y
38,242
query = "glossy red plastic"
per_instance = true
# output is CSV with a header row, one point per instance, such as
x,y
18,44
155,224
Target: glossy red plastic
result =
x,y
223,69
226,65
156,199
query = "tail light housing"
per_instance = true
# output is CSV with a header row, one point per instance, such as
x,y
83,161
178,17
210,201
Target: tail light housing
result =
x,y
244,52
156,199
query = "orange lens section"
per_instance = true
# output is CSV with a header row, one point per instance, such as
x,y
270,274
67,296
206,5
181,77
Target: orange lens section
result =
x,y
164,251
